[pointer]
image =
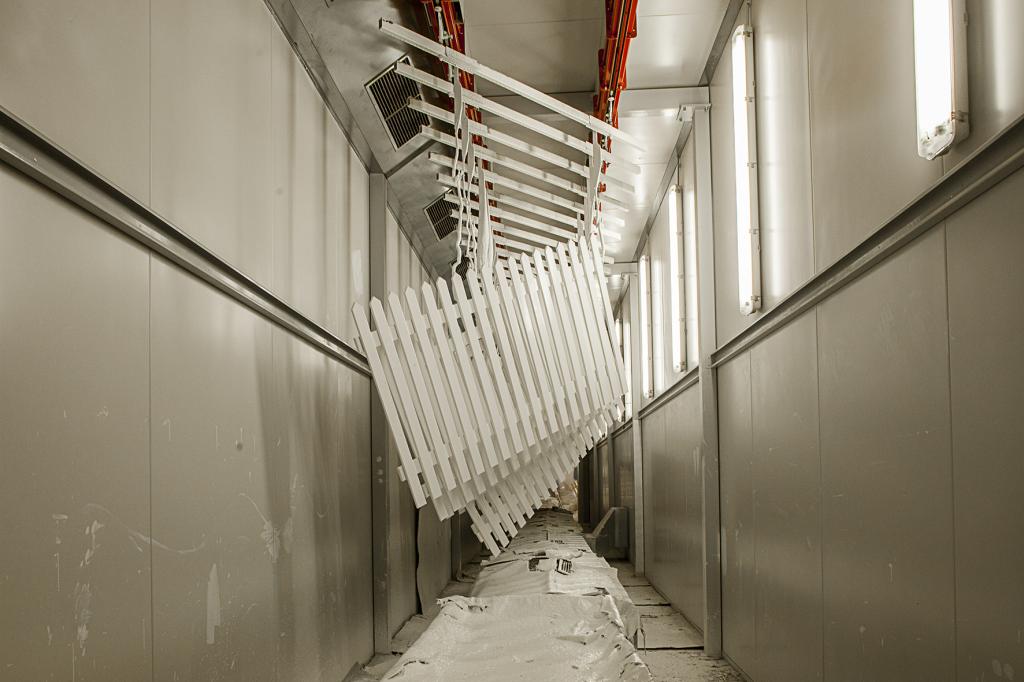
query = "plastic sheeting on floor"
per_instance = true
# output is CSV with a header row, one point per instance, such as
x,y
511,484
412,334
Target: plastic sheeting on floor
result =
x,y
558,572
546,608
543,637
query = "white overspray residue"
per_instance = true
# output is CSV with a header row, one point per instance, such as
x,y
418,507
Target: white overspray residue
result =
x,y
83,614
58,520
212,605
270,535
139,540
90,551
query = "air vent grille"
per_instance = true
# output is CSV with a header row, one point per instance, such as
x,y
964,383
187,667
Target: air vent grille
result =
x,y
439,213
390,93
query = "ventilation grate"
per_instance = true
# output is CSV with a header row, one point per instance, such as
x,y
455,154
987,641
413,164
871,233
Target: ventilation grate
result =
x,y
390,93
439,213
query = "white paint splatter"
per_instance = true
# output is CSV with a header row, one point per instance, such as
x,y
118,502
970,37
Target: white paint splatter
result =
x,y
83,614
270,535
212,605
103,412
138,539
90,551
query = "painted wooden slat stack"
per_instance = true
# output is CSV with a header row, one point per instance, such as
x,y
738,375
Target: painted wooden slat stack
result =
x,y
495,386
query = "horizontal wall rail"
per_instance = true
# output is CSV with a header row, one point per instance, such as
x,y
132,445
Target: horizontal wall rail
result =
x,y
993,162
687,380
30,153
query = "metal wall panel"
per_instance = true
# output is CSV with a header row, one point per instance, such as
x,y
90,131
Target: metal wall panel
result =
x,y
735,443
79,73
673,503
306,159
690,601
358,255
984,242
784,162
622,449
337,161
402,525
212,131
863,139
402,521
661,307
688,185
606,478
355,473
74,441
625,491
728,319
783,147
787,504
222,488
887,534
995,72
434,552
652,429
260,495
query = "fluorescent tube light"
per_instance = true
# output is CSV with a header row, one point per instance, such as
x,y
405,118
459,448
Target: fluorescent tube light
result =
x,y
748,246
940,73
675,275
645,328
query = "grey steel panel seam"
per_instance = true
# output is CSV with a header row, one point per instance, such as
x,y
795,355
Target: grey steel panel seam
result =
x,y
30,153
689,379
952,455
993,162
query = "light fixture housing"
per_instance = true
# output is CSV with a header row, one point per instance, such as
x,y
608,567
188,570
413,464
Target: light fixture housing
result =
x,y
748,234
646,377
940,74
675,275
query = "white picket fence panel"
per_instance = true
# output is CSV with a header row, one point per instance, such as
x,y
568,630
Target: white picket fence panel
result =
x,y
495,387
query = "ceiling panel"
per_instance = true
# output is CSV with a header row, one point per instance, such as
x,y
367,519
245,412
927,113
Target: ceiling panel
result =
x,y
483,12
549,45
673,41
